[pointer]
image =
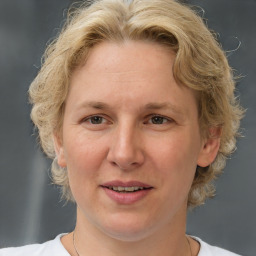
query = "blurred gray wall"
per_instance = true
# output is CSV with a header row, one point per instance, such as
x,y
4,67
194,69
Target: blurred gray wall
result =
x,y
30,207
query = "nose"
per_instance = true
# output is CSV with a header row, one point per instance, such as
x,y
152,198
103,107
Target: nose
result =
x,y
126,150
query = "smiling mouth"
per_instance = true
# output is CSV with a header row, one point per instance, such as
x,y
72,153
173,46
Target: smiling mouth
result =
x,y
120,189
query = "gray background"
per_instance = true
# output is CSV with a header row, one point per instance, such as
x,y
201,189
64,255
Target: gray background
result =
x,y
30,207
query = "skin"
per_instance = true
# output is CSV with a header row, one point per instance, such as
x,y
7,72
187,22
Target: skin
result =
x,y
126,119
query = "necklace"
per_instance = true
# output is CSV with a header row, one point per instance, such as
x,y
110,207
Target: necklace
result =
x,y
75,244
189,246
79,254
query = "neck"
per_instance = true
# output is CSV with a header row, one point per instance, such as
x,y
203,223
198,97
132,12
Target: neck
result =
x,y
170,240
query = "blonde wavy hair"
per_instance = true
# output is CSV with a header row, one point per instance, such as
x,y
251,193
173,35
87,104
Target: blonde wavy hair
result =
x,y
200,64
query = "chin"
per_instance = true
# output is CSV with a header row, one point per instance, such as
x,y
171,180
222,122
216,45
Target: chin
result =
x,y
127,235
127,230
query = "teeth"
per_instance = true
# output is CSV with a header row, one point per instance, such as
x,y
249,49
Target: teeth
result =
x,y
126,189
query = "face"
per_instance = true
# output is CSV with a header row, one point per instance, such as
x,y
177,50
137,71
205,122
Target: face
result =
x,y
130,141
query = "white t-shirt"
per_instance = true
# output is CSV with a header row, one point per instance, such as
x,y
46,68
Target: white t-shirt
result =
x,y
55,248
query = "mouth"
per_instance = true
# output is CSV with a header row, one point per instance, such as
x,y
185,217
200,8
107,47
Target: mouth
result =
x,y
126,193
128,189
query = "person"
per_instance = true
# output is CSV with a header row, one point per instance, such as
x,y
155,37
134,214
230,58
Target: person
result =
x,y
135,105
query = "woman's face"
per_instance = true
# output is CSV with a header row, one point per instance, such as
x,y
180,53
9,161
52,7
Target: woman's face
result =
x,y
131,140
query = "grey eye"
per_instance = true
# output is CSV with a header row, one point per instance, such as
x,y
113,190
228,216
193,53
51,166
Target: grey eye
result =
x,y
96,120
158,120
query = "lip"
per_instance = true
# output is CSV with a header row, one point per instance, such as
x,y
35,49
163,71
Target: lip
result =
x,y
126,198
132,183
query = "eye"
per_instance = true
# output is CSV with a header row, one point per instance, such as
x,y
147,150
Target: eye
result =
x,y
157,119
95,120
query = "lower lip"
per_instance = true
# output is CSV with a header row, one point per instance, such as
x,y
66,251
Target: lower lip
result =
x,y
126,198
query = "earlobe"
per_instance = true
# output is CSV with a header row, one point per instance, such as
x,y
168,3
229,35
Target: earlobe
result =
x,y
58,147
210,148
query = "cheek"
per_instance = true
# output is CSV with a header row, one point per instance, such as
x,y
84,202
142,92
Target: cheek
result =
x,y
179,152
82,150
83,167
176,160
84,159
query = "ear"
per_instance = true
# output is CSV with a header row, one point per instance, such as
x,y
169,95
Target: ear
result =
x,y
210,147
59,150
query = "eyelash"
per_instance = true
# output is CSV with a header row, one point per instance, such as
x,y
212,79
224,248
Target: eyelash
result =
x,y
160,118
163,118
89,119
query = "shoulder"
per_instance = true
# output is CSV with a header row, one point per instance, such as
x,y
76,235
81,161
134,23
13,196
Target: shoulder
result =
x,y
50,248
209,250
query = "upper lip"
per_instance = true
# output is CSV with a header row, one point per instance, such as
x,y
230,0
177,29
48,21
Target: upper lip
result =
x,y
119,183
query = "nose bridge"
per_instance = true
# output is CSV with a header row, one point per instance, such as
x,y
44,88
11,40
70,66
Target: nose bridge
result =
x,y
125,150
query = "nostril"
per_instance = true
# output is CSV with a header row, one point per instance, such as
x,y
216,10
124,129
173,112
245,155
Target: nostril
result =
x,y
124,164
125,153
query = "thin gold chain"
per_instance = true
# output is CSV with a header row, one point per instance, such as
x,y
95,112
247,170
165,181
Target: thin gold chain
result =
x,y
189,246
74,243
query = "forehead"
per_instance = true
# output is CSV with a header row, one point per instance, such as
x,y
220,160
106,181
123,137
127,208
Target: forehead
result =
x,y
131,72
129,53
127,62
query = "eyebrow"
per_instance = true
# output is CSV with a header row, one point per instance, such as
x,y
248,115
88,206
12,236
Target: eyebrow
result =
x,y
96,104
149,106
164,105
